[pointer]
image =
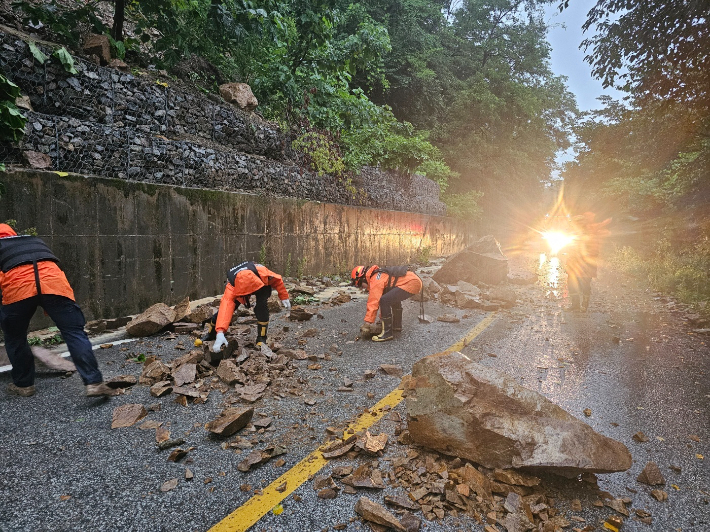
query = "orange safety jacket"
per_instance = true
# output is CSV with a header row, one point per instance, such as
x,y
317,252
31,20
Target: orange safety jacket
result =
x,y
378,282
245,284
19,283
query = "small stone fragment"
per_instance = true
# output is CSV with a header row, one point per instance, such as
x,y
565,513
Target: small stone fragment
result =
x,y
392,369
651,475
371,511
189,475
230,421
161,434
615,521
159,389
167,444
185,374
169,485
659,495
127,415
639,437
587,412
177,455
122,381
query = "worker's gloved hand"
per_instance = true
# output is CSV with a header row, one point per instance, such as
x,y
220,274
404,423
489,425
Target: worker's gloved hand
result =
x,y
220,342
286,303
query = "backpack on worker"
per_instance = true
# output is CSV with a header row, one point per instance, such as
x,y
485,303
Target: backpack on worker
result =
x,y
394,272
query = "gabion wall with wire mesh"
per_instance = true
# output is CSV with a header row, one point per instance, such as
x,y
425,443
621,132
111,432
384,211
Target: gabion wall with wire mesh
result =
x,y
105,122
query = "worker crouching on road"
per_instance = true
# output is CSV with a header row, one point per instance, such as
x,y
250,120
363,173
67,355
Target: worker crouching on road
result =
x,y
387,288
30,278
244,280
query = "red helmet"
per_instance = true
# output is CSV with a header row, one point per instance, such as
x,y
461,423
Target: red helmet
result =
x,y
357,275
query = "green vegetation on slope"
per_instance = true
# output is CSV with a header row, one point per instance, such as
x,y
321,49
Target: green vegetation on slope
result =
x,y
464,95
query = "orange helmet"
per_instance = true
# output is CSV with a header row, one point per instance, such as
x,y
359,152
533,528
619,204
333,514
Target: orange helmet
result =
x,y
357,275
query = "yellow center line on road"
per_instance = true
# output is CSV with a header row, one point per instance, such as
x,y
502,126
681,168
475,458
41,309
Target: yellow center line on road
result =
x,y
255,508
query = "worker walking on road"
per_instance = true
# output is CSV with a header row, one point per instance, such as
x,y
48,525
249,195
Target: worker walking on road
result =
x,y
583,259
387,288
30,278
244,280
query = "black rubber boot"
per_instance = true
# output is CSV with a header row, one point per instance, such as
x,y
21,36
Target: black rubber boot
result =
x,y
585,303
261,328
574,304
386,333
210,333
396,319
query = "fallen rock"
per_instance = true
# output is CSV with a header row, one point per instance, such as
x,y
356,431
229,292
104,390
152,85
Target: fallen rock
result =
x,y
239,94
200,314
651,475
340,298
159,389
185,374
122,381
154,372
182,309
229,373
482,262
127,415
36,159
151,321
169,485
230,421
640,437
474,412
515,478
260,457
99,46
300,314
371,511
659,495
392,369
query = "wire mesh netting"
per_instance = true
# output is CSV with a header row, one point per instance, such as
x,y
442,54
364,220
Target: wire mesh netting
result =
x,y
105,122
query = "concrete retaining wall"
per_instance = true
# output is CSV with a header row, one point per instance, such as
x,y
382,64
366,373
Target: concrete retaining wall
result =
x,y
126,245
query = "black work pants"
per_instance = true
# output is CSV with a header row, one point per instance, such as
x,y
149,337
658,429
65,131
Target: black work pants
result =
x,y
393,298
70,322
261,309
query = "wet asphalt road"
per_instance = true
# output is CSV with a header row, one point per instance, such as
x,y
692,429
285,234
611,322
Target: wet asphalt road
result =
x,y
629,359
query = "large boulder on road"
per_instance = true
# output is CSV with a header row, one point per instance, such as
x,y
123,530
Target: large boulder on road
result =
x,y
464,409
481,262
152,320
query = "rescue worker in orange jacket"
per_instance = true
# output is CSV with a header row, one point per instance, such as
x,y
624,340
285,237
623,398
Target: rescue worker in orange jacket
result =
x,y
244,280
387,289
30,277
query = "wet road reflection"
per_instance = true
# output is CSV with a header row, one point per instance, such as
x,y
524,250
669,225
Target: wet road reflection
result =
x,y
549,272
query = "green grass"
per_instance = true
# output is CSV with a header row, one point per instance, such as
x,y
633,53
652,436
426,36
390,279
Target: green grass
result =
x,y
683,272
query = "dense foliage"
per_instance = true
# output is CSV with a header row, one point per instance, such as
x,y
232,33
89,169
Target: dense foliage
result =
x,y
650,158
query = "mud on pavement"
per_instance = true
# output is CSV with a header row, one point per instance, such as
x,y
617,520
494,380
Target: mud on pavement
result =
x,y
628,367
